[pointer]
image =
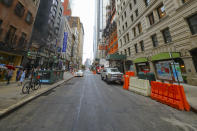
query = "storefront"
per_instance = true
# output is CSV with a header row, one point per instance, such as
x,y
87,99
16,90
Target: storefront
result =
x,y
142,65
117,60
169,67
9,59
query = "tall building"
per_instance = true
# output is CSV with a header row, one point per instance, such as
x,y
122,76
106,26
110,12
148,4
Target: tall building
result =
x,y
16,23
100,23
154,33
67,8
47,34
78,31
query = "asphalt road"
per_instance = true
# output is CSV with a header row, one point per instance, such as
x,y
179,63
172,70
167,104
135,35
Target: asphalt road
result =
x,y
89,104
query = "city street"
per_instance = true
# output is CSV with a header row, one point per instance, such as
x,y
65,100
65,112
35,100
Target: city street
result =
x,y
89,104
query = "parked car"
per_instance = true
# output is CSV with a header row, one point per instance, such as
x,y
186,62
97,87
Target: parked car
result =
x,y
79,73
112,75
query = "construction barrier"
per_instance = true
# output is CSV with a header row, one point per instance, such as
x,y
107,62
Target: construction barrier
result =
x,y
94,72
170,94
130,73
126,82
139,86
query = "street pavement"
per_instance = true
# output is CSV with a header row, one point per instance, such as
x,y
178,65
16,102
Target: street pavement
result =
x,y
89,104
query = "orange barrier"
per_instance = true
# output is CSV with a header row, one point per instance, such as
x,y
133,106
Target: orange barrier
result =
x,y
130,73
126,82
94,72
170,94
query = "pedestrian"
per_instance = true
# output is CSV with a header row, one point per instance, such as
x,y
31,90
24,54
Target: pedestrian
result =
x,y
22,77
9,75
18,75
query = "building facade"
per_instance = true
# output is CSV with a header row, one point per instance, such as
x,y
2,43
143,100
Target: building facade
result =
x,y
47,35
156,33
16,23
67,9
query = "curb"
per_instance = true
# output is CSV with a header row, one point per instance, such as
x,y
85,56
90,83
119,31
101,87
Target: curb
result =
x,y
27,100
193,109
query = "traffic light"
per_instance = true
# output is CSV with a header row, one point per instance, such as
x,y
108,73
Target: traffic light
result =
x,y
28,53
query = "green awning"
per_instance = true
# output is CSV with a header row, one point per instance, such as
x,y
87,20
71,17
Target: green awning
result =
x,y
165,55
140,60
116,57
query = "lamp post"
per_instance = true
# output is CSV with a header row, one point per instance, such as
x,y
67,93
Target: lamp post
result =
x,y
173,63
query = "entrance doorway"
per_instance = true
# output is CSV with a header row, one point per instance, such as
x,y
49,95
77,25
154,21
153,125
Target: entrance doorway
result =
x,y
194,57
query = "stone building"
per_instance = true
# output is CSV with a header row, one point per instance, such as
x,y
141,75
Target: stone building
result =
x,y
157,32
16,23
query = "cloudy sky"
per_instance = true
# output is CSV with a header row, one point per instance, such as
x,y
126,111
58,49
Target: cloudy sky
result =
x,y
85,9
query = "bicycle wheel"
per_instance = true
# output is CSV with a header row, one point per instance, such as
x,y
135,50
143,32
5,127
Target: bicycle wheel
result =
x,y
26,87
37,84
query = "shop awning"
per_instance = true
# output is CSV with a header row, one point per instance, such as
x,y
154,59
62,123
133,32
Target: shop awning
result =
x,y
116,57
165,55
140,60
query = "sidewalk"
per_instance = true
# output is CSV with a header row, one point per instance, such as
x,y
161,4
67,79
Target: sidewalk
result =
x,y
11,96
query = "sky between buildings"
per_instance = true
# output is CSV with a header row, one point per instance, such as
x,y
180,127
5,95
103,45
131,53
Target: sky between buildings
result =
x,y
85,9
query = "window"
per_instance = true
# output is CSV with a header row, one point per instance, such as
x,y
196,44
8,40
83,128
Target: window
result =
x,y
10,34
136,13
29,17
161,11
1,21
136,50
121,42
126,24
123,27
139,28
22,39
134,1
142,45
125,14
147,2
166,35
184,1
151,18
128,37
134,32
124,3
132,18
122,18
19,9
7,2
129,51
193,23
130,6
125,51
154,40
125,40
119,31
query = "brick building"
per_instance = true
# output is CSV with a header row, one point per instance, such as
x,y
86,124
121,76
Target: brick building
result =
x,y
16,23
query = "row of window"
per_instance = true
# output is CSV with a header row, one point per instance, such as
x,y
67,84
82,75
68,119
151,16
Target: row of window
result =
x,y
20,10
11,38
161,13
192,21
167,39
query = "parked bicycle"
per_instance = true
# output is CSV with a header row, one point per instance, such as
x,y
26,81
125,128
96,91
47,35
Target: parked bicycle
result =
x,y
32,84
